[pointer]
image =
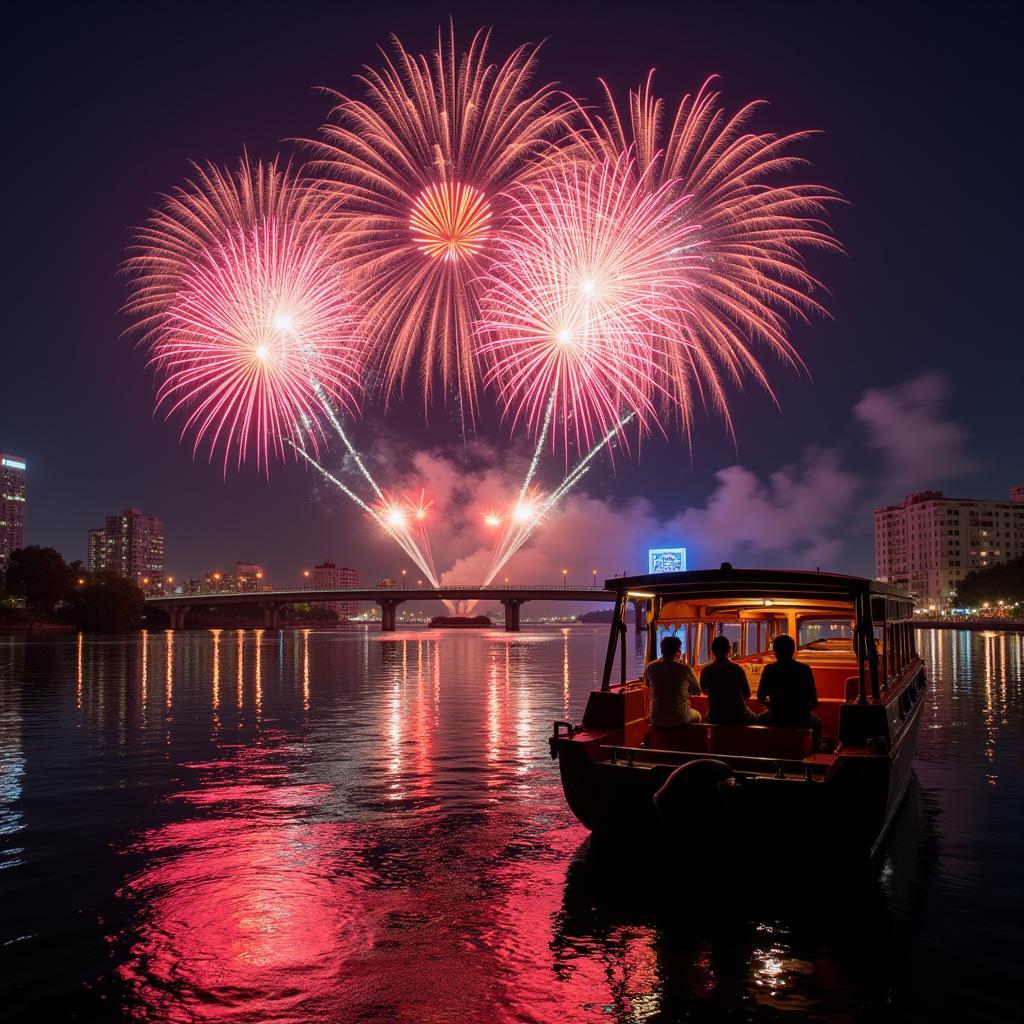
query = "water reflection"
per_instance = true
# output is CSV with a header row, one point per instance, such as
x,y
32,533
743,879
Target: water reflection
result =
x,y
372,829
692,940
247,901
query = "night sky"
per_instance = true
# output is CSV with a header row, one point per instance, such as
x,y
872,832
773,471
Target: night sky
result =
x,y
918,105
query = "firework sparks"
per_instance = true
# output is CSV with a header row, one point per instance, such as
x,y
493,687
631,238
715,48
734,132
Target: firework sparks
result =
x,y
750,231
583,299
529,511
418,170
237,296
450,221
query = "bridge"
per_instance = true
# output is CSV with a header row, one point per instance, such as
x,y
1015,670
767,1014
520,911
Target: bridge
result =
x,y
511,598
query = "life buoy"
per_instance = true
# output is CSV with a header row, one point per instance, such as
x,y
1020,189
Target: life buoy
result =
x,y
694,790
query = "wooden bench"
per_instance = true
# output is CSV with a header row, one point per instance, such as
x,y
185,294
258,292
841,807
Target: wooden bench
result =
x,y
749,740
760,741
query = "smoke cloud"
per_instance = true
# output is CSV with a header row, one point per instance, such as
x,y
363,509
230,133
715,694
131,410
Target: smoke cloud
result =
x,y
802,515
905,424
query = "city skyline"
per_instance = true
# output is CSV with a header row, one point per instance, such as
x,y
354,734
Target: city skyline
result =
x,y
890,347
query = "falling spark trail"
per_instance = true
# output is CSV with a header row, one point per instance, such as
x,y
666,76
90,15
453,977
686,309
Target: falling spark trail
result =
x,y
337,483
535,461
509,545
583,465
336,423
406,542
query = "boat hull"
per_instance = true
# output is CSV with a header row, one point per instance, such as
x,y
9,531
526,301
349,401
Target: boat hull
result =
x,y
854,800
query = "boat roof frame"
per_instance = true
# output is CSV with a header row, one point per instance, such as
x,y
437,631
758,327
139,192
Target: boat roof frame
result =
x,y
754,583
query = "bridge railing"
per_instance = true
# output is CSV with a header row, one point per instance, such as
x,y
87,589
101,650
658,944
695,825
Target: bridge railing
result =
x,y
489,588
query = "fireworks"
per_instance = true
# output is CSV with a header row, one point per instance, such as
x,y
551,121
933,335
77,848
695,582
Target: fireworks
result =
x,y
585,299
418,170
749,230
238,297
596,271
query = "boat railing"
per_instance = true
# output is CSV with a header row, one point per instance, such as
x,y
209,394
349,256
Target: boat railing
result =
x,y
777,765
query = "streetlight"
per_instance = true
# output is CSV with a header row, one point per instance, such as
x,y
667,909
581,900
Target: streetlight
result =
x,y
565,578
404,571
506,581
419,583
305,575
594,574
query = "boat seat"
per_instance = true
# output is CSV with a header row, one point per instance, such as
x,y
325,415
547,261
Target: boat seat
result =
x,y
681,737
829,680
760,741
828,714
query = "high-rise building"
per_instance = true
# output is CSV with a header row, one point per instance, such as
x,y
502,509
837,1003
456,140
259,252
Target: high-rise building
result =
x,y
130,545
13,470
248,576
928,543
328,576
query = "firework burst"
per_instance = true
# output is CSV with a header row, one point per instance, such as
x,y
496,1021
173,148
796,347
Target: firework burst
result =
x,y
417,171
750,230
237,296
584,300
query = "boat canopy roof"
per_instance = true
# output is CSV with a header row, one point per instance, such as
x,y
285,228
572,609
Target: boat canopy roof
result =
x,y
756,584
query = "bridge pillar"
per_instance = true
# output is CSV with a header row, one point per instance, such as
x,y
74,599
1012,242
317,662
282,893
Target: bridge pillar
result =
x,y
512,606
640,616
271,615
388,610
177,615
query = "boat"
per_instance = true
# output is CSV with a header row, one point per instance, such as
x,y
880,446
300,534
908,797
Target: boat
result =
x,y
620,774
460,622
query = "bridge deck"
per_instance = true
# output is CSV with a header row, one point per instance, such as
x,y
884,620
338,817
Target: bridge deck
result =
x,y
389,598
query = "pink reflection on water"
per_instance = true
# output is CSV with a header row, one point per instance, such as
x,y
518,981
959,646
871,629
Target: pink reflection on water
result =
x,y
549,976
251,909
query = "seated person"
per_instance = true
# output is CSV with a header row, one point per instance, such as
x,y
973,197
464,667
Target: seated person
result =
x,y
671,682
726,686
787,690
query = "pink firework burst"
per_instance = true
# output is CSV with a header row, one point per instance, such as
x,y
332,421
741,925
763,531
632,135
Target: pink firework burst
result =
x,y
751,230
584,300
418,169
239,299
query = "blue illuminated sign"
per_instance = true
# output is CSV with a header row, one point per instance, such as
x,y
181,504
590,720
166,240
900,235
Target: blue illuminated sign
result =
x,y
14,463
666,560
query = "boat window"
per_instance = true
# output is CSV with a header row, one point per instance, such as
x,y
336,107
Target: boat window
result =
x,y
664,629
823,632
733,631
752,632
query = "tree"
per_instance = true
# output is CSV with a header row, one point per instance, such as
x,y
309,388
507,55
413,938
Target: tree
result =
x,y
106,603
38,576
78,574
998,583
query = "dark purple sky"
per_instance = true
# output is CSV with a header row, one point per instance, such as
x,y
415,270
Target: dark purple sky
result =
x,y
918,104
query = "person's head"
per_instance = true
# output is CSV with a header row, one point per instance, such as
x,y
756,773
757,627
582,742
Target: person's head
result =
x,y
721,648
784,647
671,647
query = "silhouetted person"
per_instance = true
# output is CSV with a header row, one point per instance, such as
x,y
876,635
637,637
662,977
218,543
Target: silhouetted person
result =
x,y
726,686
671,683
787,690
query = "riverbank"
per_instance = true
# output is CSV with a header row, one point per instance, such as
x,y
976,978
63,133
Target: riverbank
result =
x,y
973,625
17,620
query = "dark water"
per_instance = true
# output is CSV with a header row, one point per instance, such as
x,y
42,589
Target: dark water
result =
x,y
313,827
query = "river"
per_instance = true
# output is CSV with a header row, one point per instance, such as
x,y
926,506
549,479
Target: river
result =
x,y
349,826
